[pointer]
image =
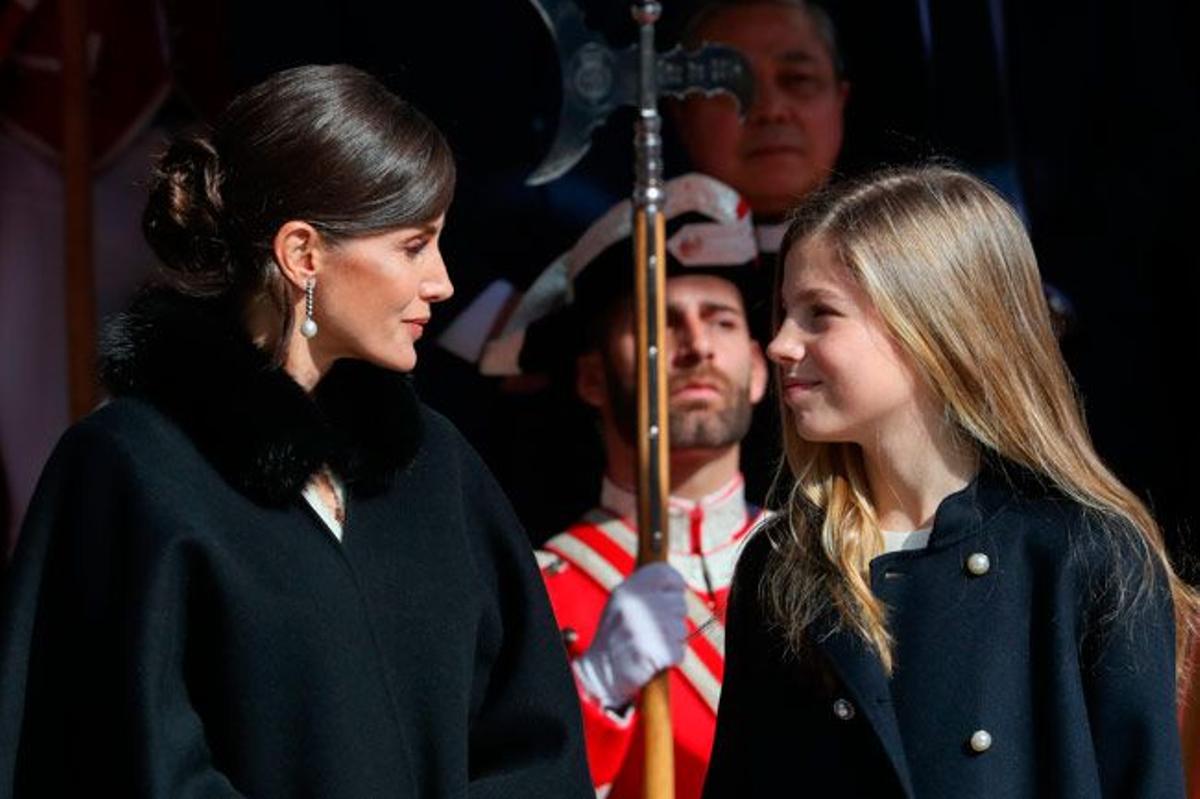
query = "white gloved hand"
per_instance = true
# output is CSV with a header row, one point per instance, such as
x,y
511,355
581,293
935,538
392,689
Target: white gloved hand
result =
x,y
641,632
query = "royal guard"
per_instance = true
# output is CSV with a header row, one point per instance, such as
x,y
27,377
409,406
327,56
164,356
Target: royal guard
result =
x,y
622,625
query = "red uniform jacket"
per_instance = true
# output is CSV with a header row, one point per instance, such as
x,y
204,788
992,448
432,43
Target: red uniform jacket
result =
x,y
1189,724
584,563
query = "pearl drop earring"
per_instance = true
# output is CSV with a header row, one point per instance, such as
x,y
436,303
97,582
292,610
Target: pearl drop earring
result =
x,y
308,328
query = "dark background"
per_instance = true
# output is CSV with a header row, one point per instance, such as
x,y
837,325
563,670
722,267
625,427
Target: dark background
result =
x,y
1089,109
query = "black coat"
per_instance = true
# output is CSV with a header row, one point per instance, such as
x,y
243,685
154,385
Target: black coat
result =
x,y
177,621
1076,704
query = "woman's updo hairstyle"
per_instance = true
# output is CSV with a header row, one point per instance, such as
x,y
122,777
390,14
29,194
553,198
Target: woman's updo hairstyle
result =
x,y
328,145
182,218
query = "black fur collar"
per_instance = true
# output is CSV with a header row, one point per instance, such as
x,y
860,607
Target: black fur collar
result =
x,y
192,359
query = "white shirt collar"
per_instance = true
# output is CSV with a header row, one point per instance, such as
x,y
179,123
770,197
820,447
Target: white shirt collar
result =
x,y
720,515
900,540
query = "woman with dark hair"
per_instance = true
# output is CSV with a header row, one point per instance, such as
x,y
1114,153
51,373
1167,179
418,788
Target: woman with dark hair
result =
x,y
264,568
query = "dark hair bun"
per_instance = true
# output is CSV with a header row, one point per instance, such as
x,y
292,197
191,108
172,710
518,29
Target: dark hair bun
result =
x,y
183,215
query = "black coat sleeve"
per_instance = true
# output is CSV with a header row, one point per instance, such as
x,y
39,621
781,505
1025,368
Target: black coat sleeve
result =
x,y
1128,662
526,735
91,645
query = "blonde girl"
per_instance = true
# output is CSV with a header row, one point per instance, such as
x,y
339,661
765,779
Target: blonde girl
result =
x,y
959,599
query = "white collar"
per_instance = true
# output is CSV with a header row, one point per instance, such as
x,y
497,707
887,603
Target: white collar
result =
x,y
721,515
899,540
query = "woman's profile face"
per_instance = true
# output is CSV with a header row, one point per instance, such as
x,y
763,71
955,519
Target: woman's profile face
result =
x,y
844,378
374,295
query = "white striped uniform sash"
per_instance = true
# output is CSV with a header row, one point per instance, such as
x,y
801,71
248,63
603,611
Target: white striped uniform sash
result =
x,y
576,550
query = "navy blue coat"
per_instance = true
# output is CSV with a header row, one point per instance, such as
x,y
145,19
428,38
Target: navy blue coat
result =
x,y
1073,704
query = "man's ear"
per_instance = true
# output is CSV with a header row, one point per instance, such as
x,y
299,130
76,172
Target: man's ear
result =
x,y
591,381
295,249
759,373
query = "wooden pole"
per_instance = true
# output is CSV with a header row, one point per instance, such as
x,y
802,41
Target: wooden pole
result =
x,y
649,244
80,285
653,482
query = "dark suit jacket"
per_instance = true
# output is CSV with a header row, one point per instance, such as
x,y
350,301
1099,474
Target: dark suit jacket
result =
x,y
1074,703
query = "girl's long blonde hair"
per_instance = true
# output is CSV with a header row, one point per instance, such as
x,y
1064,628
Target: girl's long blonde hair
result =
x,y
950,269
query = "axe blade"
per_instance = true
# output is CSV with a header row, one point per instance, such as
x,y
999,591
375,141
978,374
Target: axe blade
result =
x,y
597,79
708,70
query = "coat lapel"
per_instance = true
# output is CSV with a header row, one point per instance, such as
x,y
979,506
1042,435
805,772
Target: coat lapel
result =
x,y
862,674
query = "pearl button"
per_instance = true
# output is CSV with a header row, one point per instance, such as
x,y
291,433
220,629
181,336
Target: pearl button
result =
x,y
979,564
843,709
981,741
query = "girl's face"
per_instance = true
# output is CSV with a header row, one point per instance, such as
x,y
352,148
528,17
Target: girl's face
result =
x,y
842,374
374,295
